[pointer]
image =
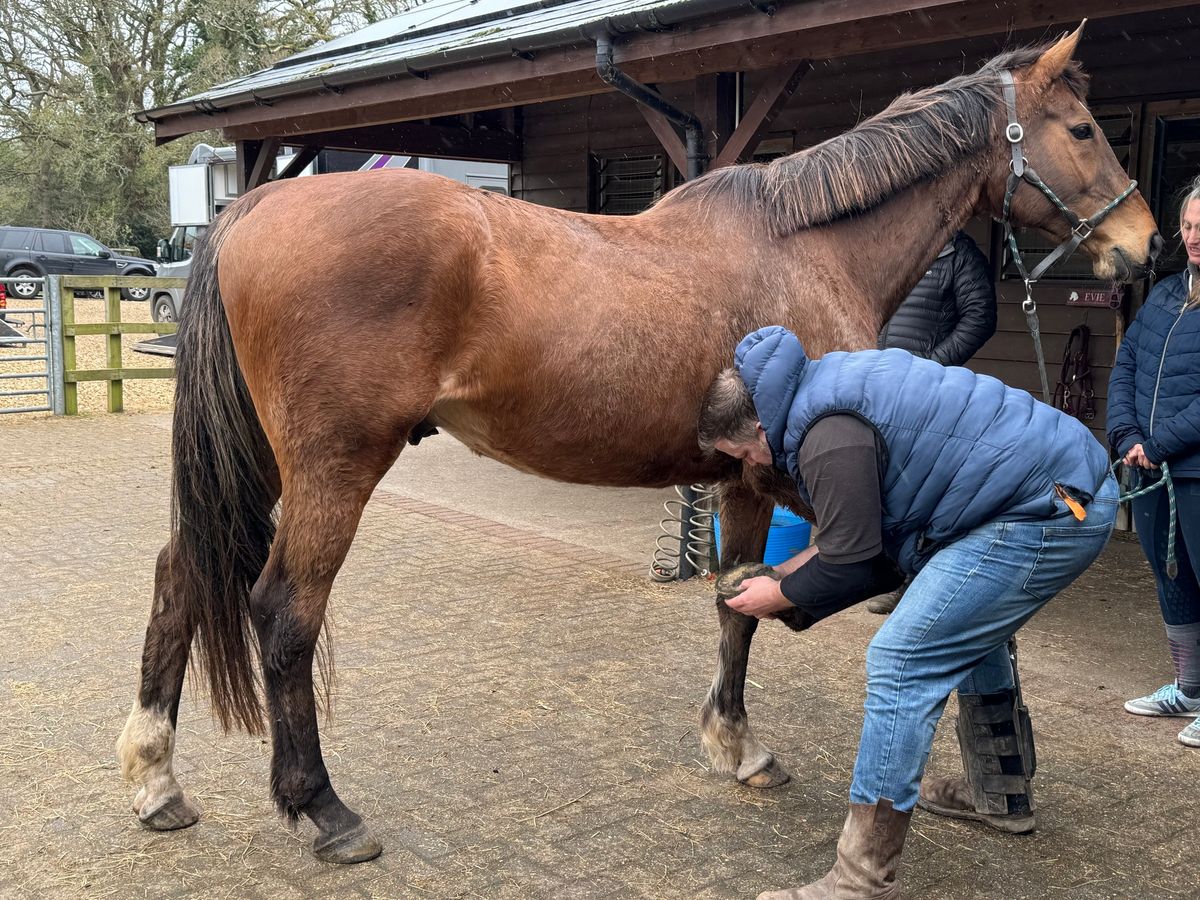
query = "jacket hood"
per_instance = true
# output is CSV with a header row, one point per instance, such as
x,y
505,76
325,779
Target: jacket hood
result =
x,y
771,361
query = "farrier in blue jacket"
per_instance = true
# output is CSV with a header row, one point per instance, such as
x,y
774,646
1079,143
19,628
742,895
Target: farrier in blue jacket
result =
x,y
963,477
962,449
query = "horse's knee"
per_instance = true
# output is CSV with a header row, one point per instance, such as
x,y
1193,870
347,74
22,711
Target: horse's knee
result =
x,y
282,628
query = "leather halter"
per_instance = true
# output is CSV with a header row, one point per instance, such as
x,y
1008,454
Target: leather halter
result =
x,y
1081,228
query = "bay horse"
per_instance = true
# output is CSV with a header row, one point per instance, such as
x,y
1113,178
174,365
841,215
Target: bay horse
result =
x,y
536,337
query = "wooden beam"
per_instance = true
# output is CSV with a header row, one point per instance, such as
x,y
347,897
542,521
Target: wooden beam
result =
x,y
667,136
255,163
818,29
264,165
771,98
299,162
715,107
419,139
247,153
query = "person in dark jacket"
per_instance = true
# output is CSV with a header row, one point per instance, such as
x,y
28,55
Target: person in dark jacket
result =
x,y
948,317
1154,418
951,312
909,464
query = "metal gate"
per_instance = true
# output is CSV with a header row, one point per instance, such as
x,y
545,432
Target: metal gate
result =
x,y
30,351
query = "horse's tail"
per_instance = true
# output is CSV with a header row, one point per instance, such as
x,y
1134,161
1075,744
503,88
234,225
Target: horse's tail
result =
x,y
223,493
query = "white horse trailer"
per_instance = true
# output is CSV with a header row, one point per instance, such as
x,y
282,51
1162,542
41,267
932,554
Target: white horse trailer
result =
x,y
207,183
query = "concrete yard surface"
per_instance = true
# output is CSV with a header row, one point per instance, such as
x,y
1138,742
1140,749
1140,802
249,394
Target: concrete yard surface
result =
x,y
516,704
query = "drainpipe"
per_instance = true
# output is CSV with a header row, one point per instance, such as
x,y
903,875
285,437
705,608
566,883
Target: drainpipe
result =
x,y
610,74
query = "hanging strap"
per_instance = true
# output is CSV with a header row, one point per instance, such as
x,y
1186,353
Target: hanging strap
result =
x,y
1074,393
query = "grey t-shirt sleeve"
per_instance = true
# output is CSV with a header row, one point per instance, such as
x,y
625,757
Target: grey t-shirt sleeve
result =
x,y
839,465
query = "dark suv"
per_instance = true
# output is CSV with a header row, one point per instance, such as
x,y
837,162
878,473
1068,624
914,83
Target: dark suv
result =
x,y
37,252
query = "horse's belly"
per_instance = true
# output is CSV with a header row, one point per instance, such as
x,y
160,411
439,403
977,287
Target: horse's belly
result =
x,y
575,447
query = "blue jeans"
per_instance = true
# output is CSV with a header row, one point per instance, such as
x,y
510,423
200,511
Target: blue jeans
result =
x,y
952,630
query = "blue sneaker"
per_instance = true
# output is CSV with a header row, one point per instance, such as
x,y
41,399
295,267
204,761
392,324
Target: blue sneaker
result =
x,y
1168,700
1191,735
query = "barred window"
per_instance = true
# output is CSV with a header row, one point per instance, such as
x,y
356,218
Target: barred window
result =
x,y
624,185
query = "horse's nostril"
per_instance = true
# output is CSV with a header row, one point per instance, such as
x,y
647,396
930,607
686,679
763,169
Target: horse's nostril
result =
x,y
1156,245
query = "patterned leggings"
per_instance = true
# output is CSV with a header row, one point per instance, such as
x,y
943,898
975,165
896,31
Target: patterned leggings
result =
x,y
1178,597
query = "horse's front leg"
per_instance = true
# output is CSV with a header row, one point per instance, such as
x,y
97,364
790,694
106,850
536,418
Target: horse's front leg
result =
x,y
724,728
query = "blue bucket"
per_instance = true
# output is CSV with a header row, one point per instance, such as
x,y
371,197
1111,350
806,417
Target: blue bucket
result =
x,y
789,535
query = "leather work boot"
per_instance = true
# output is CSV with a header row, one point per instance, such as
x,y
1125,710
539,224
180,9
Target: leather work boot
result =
x,y
868,858
885,604
952,797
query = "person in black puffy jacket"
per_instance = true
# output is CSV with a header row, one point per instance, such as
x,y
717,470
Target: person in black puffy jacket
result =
x,y
947,317
951,312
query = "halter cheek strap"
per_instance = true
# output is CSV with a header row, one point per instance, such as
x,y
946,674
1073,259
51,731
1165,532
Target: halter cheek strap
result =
x,y
1081,229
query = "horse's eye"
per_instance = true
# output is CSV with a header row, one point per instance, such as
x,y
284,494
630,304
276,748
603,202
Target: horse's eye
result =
x,y
1082,132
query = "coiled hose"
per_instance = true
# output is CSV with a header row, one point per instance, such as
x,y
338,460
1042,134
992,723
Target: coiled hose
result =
x,y
668,546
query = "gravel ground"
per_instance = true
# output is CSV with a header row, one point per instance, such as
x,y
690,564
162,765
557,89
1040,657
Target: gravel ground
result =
x,y
515,709
141,395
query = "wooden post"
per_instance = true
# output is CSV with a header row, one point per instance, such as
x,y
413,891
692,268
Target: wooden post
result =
x,y
112,315
255,163
771,98
70,386
716,102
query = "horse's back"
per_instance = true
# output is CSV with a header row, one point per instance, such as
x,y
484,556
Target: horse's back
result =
x,y
529,333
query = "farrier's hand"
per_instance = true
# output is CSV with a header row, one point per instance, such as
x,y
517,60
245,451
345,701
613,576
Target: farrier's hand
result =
x,y
1137,457
759,597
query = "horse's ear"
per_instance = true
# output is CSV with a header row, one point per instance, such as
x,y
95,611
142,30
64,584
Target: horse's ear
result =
x,y
1053,62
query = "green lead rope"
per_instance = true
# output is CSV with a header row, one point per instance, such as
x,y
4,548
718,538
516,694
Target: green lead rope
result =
x,y
1172,520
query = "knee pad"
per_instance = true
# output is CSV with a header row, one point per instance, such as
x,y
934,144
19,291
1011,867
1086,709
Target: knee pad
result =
x,y
996,741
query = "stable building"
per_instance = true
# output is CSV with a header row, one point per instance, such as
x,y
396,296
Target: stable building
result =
x,y
602,106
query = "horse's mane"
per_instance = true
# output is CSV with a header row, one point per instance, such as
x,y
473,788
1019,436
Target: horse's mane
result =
x,y
920,135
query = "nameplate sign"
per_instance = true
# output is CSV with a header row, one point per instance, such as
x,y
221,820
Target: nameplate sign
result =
x,y
1106,299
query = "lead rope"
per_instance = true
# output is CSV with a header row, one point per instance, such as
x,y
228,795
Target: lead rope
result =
x,y
1029,307
1172,516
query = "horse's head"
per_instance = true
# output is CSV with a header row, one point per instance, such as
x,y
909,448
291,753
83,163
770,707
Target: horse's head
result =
x,y
1063,146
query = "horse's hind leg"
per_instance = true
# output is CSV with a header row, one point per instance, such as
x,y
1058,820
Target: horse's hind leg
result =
x,y
724,728
324,493
147,745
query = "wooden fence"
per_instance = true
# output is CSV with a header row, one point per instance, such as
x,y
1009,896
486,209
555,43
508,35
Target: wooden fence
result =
x,y
113,326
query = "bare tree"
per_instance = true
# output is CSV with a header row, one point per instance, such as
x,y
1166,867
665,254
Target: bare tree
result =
x,y
73,73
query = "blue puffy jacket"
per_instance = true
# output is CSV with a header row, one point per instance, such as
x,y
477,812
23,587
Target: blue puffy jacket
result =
x,y
962,449
1154,390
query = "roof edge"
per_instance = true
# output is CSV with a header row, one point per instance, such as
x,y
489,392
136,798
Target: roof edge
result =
x,y
420,66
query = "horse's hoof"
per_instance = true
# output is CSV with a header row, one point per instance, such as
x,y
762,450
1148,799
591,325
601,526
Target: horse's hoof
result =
x,y
352,846
771,775
167,812
730,582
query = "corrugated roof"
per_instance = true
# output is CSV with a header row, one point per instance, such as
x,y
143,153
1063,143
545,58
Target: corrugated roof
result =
x,y
444,32
429,17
